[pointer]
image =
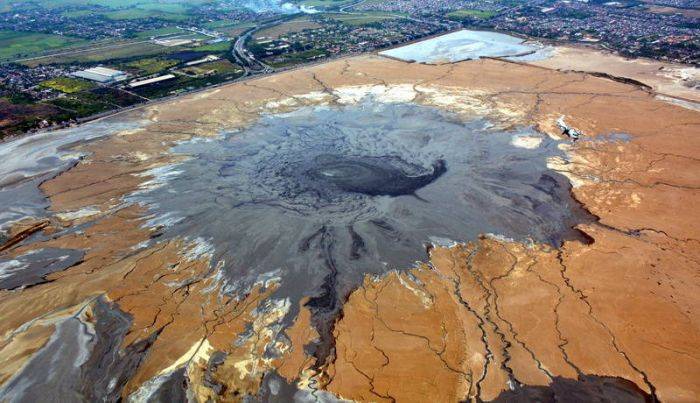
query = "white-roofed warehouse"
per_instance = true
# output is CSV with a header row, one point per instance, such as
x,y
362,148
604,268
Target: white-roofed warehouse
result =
x,y
101,75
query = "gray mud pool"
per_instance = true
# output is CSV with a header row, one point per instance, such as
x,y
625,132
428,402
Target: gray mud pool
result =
x,y
322,196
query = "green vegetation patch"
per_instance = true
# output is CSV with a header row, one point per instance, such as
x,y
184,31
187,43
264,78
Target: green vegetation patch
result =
x,y
78,106
164,5
116,51
471,13
172,8
140,13
320,4
20,98
158,32
68,85
113,96
228,27
198,76
152,65
218,47
295,25
155,4
363,18
222,67
25,44
291,59
18,118
78,13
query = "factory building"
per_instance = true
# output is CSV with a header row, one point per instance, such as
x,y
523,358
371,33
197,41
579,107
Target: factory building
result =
x,y
101,75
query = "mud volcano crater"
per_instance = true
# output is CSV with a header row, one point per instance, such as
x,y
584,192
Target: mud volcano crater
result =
x,y
373,176
322,196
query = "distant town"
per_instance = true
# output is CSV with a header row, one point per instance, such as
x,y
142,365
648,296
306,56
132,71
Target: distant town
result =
x,y
61,63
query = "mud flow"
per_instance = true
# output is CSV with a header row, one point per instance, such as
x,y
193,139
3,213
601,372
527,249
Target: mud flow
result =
x,y
322,196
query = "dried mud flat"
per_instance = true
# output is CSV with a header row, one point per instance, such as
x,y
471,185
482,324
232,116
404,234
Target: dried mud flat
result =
x,y
681,82
114,305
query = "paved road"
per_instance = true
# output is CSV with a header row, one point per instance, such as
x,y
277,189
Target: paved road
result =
x,y
247,60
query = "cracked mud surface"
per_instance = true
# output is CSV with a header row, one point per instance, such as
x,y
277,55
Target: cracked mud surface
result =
x,y
675,80
315,196
149,310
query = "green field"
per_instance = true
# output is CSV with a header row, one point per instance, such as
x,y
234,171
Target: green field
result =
x,y
23,44
219,47
362,18
166,6
214,47
158,32
79,107
224,71
68,85
223,67
116,51
78,13
298,57
230,28
140,13
173,8
151,65
471,13
291,26
18,115
320,4
169,10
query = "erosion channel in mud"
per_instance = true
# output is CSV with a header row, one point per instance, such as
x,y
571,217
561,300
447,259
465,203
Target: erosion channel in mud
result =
x,y
321,196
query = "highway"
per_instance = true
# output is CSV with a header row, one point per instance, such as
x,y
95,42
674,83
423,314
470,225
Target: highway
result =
x,y
247,60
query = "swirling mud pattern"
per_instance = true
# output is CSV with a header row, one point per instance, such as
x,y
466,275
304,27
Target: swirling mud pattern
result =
x,y
322,196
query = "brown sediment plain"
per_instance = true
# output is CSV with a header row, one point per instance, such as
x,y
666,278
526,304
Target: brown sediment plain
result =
x,y
675,80
489,319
